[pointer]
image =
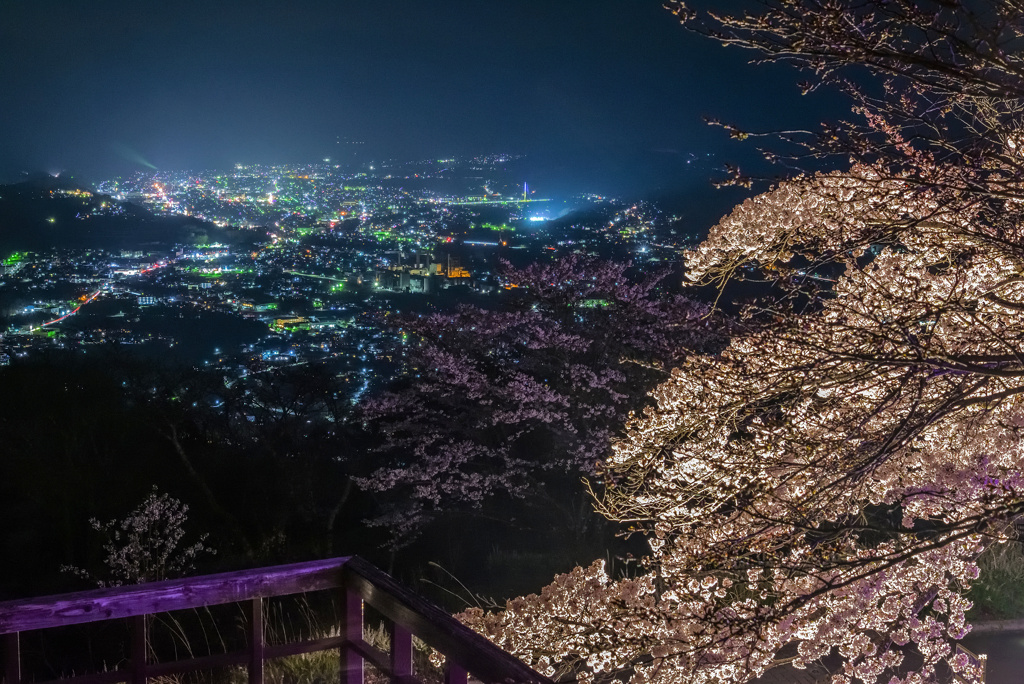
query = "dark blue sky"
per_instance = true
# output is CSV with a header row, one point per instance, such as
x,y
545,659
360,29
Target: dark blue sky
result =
x,y
603,92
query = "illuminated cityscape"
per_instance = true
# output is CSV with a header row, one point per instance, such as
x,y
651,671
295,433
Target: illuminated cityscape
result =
x,y
299,263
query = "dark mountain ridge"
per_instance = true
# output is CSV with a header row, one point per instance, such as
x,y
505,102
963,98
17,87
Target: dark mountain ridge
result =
x,y
46,211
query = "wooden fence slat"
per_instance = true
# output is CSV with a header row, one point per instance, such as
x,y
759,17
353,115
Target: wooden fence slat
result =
x,y
12,658
109,677
195,664
401,651
352,628
140,648
455,674
372,655
257,644
301,647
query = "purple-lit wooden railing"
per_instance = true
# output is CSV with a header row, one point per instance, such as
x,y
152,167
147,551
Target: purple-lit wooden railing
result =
x,y
360,582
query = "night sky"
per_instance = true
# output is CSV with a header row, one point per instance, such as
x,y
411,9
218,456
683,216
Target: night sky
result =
x,y
609,93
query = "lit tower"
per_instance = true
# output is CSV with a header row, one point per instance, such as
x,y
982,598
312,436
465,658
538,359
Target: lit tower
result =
x,y
525,193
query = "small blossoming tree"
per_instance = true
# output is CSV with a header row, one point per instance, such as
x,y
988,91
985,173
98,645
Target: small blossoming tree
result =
x,y
147,545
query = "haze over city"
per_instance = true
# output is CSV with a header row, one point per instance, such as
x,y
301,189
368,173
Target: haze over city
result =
x,y
608,94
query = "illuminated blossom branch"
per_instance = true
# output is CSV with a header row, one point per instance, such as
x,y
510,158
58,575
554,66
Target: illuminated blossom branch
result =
x,y
503,400
829,480
831,477
932,82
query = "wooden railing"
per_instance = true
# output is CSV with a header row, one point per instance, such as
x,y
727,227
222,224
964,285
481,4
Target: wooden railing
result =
x,y
358,583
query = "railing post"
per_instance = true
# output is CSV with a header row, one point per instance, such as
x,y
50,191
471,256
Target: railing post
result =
x,y
401,651
257,643
351,580
352,623
140,646
12,658
455,673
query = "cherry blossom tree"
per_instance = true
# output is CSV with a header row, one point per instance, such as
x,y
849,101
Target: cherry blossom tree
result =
x,y
146,545
932,83
502,401
830,478
826,483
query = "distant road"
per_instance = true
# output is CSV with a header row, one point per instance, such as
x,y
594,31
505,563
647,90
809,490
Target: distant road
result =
x,y
94,295
313,275
91,297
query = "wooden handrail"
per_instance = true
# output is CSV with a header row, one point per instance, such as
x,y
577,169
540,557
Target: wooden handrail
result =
x,y
464,650
80,607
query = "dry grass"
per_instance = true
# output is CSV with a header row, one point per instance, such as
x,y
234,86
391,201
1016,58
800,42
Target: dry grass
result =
x,y
998,594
